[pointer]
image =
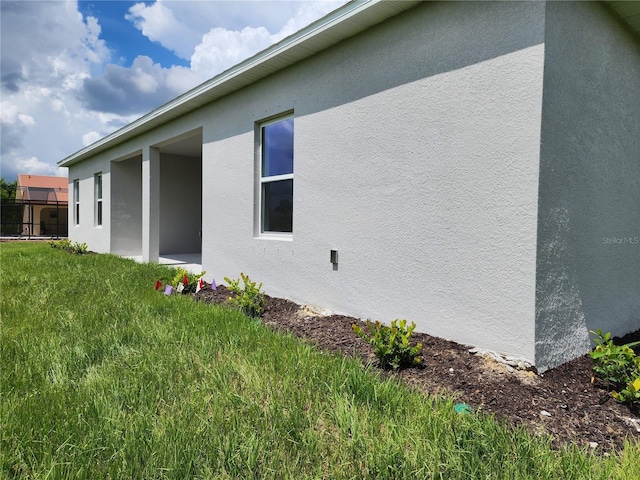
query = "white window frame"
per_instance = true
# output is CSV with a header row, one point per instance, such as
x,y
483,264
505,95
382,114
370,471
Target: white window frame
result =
x,y
263,180
76,202
98,209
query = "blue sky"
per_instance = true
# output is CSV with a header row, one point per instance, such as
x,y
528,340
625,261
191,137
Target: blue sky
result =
x,y
125,40
73,72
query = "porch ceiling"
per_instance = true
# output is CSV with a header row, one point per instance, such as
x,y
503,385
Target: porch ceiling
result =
x,y
629,11
187,147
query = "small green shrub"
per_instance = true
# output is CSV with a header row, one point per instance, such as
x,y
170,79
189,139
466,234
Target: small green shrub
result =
x,y
79,248
61,244
249,298
629,394
71,247
391,343
618,366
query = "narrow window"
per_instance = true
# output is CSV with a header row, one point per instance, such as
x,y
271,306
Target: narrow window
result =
x,y
76,202
98,194
276,177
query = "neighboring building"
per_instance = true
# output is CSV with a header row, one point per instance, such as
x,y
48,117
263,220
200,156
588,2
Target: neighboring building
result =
x,y
471,166
45,203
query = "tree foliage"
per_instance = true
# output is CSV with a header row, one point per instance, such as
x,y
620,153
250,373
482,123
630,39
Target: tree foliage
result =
x,y
10,213
8,189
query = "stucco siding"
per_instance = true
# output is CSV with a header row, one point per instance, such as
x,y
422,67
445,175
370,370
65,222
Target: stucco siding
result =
x,y
97,237
125,198
416,157
588,273
417,151
180,204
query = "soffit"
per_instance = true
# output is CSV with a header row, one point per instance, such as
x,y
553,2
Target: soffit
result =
x,y
629,12
339,25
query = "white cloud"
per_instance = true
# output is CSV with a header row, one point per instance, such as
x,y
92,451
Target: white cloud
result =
x,y
136,89
144,81
185,28
90,137
49,40
222,48
158,23
36,167
306,13
26,119
48,49
8,112
180,26
218,35
180,79
60,92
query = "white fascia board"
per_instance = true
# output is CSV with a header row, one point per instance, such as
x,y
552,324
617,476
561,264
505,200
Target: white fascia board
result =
x,y
338,25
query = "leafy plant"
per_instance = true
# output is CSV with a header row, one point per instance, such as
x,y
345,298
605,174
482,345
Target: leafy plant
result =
x,y
61,244
249,298
71,247
79,248
189,280
391,343
630,394
618,366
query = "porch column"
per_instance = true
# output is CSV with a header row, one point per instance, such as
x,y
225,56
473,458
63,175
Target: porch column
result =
x,y
150,204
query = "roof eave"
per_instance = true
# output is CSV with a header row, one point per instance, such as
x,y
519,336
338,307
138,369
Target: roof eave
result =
x,y
628,11
340,24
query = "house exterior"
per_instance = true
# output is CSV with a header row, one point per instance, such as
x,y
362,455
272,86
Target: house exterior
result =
x,y
44,201
471,166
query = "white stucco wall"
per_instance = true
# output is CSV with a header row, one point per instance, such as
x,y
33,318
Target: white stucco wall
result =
x,y
180,204
589,182
458,192
122,231
416,157
125,198
97,237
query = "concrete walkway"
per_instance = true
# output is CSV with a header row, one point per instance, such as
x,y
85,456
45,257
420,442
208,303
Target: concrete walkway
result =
x,y
191,262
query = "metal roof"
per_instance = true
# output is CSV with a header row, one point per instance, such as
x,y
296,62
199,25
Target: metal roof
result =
x,y
342,23
43,195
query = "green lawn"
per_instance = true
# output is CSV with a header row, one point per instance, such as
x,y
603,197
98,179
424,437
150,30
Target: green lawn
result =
x,y
103,377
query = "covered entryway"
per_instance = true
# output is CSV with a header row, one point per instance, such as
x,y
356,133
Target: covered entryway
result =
x,y
191,262
180,216
126,207
156,202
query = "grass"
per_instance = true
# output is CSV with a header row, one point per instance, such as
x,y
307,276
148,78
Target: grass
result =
x,y
103,377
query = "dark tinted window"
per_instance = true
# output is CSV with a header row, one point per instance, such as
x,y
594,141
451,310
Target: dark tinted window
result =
x,y
277,206
277,148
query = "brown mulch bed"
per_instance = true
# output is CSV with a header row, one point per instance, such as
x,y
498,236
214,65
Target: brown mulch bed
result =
x,y
576,410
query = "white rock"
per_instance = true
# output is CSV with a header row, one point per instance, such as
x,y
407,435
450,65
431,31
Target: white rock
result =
x,y
593,444
632,422
544,413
